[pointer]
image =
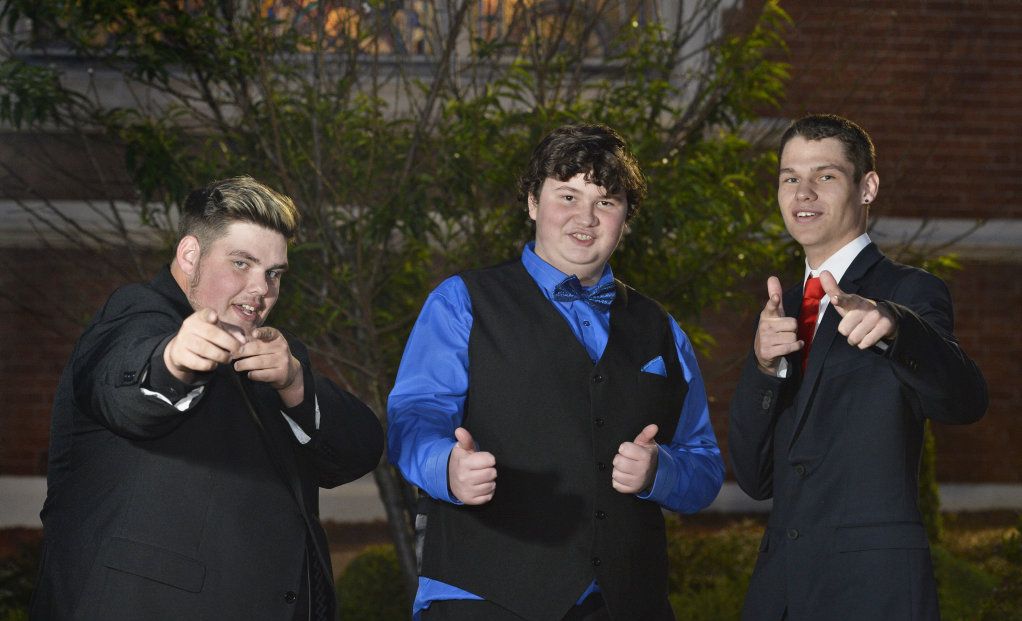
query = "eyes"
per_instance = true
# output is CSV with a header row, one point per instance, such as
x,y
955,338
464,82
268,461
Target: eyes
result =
x,y
243,266
823,177
607,203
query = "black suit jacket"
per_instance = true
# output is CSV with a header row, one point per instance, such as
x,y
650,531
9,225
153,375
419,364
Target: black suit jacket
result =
x,y
838,451
154,513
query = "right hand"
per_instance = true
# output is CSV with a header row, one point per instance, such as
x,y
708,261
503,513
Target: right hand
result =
x,y
776,335
471,474
200,345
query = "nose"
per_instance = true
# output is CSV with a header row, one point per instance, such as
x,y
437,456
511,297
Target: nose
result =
x,y
586,214
805,192
257,284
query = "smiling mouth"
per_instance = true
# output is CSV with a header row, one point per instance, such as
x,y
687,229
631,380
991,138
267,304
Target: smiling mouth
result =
x,y
247,311
582,236
806,215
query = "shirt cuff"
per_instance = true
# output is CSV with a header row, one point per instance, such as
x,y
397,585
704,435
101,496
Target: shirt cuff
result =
x,y
668,478
435,470
159,382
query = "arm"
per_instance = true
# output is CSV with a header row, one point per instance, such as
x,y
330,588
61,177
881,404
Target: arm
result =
x,y
120,376
941,382
689,470
755,405
427,403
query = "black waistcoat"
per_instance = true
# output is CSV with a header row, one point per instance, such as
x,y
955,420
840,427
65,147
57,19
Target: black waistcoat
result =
x,y
554,422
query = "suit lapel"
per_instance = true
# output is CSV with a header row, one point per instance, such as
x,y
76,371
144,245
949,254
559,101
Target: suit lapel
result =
x,y
826,335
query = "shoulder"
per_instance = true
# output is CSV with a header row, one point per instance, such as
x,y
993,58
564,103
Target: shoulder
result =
x,y
903,279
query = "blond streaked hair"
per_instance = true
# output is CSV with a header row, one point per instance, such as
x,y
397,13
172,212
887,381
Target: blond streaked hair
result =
x,y
210,210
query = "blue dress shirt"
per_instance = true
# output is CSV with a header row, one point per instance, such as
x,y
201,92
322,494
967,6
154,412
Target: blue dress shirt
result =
x,y
427,404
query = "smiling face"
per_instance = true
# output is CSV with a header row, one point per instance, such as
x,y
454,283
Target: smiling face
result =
x,y
238,275
822,205
578,226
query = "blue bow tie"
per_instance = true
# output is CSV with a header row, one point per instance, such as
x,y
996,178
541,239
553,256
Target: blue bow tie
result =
x,y
600,298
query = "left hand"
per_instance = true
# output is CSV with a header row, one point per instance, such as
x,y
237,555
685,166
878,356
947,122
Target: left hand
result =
x,y
863,322
635,463
267,358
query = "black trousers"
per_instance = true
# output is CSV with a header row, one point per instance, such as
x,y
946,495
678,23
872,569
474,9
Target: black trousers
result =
x,y
592,609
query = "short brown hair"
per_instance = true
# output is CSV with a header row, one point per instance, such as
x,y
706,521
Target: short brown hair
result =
x,y
592,149
857,145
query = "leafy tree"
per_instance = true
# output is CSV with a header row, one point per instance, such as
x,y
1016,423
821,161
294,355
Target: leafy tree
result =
x,y
398,128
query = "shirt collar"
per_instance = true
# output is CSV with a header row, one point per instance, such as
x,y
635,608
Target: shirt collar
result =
x,y
547,276
839,262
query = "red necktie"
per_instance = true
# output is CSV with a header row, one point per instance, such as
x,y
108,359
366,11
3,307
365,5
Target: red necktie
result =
x,y
807,317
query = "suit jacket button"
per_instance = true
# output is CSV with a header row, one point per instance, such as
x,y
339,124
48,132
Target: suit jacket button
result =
x,y
601,466
601,515
597,378
596,561
792,533
599,422
800,470
290,597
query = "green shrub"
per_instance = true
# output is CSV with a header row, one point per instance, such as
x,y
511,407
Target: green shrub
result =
x,y
17,577
370,588
710,571
962,587
1006,602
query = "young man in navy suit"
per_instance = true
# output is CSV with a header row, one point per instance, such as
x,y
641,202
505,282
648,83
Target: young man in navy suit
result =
x,y
828,415
189,439
549,412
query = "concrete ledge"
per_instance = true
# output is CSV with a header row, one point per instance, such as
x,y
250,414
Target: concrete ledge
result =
x,y
21,498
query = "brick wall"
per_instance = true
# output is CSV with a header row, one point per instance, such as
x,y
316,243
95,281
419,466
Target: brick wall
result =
x,y
937,84
47,297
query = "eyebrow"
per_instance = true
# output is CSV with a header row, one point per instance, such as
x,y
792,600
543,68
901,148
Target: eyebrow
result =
x,y
814,168
244,255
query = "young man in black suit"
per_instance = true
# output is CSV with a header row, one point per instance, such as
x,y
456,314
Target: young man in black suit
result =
x,y
831,426
189,440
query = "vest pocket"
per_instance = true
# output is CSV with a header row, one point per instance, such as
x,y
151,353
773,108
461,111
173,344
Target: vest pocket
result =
x,y
154,563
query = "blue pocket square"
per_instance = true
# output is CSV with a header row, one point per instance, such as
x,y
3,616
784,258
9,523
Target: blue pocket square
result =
x,y
655,366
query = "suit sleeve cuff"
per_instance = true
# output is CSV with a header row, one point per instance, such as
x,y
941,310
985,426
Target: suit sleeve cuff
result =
x,y
160,380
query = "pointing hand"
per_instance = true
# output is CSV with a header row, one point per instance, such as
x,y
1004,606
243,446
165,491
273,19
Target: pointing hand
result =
x,y
863,322
776,335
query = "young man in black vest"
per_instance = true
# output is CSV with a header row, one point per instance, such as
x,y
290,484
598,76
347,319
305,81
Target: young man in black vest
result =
x,y
549,412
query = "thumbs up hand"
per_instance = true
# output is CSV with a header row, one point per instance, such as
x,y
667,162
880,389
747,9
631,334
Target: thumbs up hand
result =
x,y
776,335
863,322
471,474
635,463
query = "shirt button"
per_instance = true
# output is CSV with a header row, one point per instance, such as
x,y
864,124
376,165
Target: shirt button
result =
x,y
601,466
586,323
800,470
792,533
596,561
597,378
599,422
290,597
601,515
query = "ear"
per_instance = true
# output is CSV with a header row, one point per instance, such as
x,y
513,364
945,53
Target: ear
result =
x,y
869,186
187,255
533,206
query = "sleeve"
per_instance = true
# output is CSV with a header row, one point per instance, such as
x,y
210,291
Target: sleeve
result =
x,y
428,399
348,441
113,361
942,382
755,406
689,469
